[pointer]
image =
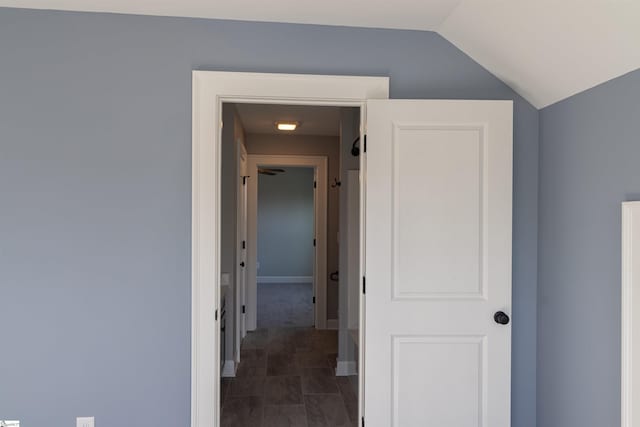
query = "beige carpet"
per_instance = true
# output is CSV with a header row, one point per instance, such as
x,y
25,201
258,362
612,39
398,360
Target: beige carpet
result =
x,y
285,305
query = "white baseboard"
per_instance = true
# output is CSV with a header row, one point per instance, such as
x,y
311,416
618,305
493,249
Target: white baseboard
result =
x,y
332,323
346,368
228,369
285,279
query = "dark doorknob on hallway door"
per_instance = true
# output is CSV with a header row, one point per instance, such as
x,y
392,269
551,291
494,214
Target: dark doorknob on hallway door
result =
x,y
501,318
242,264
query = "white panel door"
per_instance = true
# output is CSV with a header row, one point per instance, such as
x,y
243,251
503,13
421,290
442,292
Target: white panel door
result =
x,y
438,203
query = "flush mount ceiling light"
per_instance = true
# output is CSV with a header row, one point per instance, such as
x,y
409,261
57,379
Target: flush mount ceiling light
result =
x,y
287,126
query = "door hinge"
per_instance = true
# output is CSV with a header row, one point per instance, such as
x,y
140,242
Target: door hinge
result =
x,y
314,242
244,244
244,180
243,309
315,184
314,300
364,146
216,315
364,285
362,421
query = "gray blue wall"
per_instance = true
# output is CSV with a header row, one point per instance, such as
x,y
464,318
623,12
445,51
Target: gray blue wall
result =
x,y
95,178
589,164
285,223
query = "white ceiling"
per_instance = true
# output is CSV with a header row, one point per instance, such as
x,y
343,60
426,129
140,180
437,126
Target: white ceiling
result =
x,y
546,50
314,120
414,14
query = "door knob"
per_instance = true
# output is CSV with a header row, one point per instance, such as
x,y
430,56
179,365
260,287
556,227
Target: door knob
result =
x,y
242,264
501,318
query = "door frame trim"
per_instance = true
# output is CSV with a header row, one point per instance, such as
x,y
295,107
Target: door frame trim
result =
x,y
240,325
209,90
629,302
319,164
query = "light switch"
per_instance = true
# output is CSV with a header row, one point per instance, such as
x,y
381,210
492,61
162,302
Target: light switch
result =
x,y
85,422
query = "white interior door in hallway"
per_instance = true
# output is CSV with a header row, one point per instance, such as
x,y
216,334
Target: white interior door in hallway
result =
x,y
436,205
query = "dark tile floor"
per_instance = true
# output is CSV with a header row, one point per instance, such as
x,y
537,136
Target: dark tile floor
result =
x,y
286,379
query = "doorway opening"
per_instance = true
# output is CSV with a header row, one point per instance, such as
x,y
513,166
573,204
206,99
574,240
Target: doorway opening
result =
x,y
290,264
435,184
285,231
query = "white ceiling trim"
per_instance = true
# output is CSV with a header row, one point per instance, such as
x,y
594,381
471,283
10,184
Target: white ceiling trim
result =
x,y
546,50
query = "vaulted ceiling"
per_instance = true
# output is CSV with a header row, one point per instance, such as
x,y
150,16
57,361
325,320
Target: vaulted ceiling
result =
x,y
546,50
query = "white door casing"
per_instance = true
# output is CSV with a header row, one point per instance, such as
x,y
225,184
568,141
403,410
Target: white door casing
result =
x,y
630,336
438,263
320,166
210,90
241,247
353,249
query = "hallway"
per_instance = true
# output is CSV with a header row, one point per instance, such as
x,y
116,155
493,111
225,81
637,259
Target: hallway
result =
x,y
286,378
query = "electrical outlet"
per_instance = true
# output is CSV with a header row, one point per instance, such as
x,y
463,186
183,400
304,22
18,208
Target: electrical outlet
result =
x,y
85,422
225,279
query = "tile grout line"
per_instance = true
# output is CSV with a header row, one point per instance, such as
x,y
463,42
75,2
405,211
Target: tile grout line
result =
x,y
324,350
